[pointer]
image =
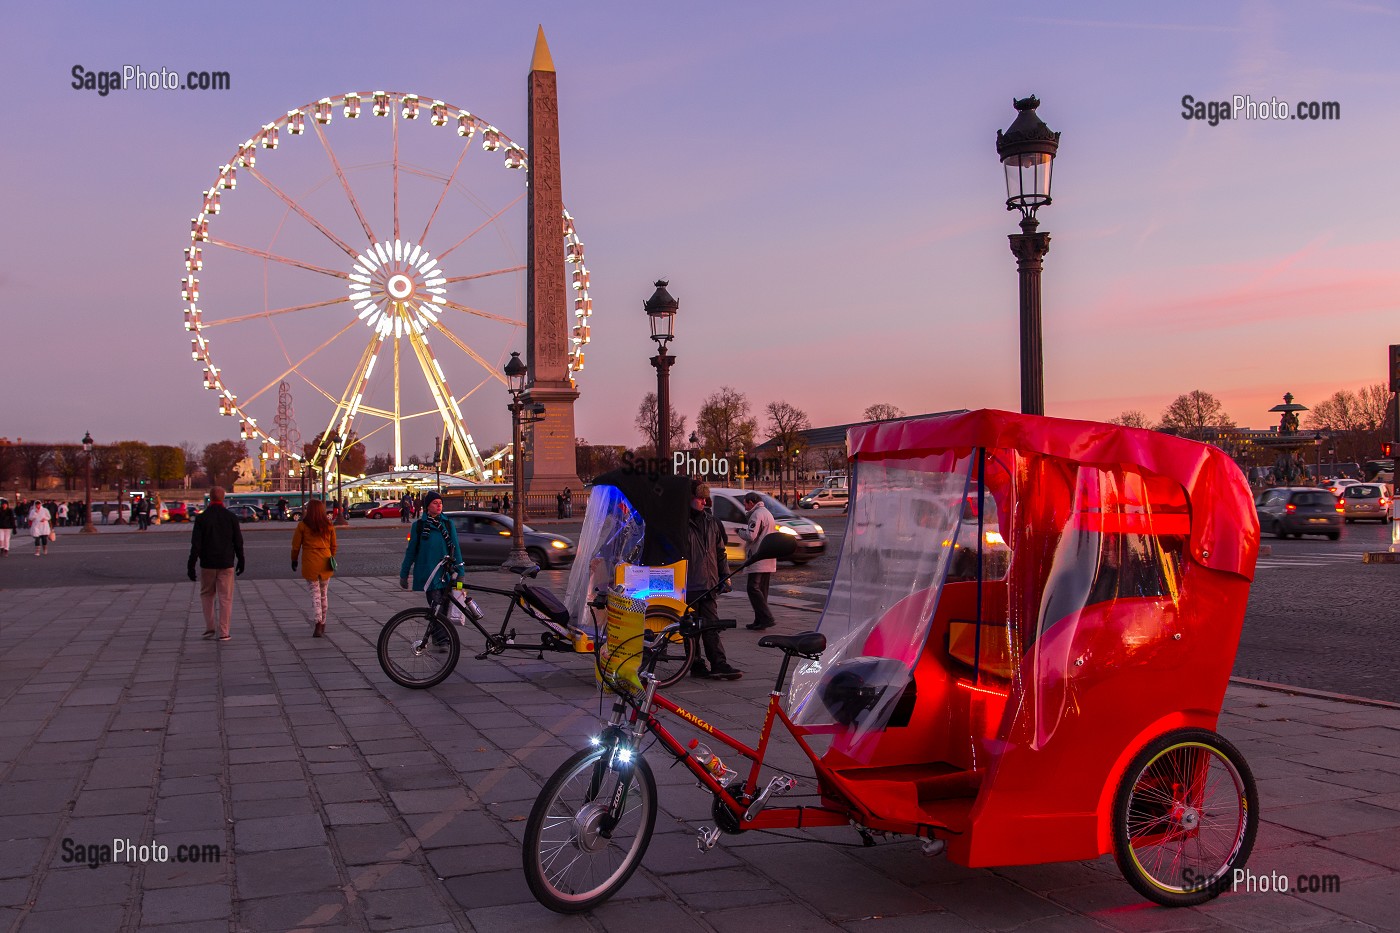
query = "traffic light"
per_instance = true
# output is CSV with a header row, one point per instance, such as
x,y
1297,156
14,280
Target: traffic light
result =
x,y
1386,447
1395,367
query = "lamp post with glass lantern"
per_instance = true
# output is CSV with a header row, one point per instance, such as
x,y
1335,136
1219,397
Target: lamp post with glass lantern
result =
x,y
661,311
88,527
516,370
1027,150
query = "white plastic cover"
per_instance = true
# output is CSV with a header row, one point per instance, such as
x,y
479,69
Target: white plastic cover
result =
x,y
612,534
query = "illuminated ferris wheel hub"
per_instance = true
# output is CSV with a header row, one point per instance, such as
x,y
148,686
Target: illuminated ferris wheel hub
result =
x,y
396,285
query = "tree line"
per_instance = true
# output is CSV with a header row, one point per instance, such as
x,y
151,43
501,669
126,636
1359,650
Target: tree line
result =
x,y
1353,423
725,425
131,464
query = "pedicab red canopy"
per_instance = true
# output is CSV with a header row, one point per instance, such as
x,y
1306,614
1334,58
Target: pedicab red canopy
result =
x,y
1022,604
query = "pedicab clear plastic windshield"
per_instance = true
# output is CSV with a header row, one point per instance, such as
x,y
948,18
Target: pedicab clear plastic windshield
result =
x,y
905,518
612,534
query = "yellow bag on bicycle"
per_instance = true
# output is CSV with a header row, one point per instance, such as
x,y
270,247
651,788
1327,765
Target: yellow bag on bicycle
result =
x,y
641,599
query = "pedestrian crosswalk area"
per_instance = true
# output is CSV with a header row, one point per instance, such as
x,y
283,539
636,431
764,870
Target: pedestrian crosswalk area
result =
x,y
1283,561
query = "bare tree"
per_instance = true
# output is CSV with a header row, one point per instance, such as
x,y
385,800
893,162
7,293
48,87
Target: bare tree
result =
x,y
1192,414
647,421
221,460
191,453
786,422
724,424
68,464
1355,421
1133,418
883,411
35,460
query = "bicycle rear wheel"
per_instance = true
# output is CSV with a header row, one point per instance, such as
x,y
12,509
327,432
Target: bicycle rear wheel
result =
x,y
570,866
410,649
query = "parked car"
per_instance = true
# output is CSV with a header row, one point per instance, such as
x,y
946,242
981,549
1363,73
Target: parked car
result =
x,y
174,512
246,513
385,510
729,509
1365,502
361,509
831,498
485,538
105,513
1298,511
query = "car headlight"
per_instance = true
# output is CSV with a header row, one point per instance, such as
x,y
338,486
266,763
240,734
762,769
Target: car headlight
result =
x,y
784,529
559,545
818,527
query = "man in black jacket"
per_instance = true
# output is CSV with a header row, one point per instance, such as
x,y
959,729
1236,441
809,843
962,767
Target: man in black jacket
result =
x,y
706,565
216,544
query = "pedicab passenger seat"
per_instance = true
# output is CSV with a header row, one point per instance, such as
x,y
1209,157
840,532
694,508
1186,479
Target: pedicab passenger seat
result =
x,y
542,600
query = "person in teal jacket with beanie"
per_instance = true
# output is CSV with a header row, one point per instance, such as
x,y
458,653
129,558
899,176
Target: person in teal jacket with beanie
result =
x,y
430,539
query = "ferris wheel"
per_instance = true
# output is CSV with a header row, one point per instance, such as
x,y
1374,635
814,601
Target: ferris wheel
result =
x,y
339,264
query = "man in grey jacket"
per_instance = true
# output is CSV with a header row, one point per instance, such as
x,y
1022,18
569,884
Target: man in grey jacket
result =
x,y
706,567
760,526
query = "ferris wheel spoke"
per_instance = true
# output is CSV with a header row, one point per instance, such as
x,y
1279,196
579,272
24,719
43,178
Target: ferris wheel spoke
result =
x,y
452,421
294,367
480,313
305,214
491,370
483,275
446,187
264,254
394,117
484,224
276,311
344,182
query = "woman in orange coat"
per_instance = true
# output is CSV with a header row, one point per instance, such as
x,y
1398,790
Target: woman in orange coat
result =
x,y
314,543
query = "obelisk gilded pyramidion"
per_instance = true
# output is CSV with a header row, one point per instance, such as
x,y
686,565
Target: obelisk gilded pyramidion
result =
x,y
549,459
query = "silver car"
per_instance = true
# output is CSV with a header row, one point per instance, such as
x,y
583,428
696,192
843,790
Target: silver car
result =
x,y
1365,502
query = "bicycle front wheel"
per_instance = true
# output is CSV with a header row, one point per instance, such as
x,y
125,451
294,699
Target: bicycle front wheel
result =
x,y
569,864
416,650
1184,818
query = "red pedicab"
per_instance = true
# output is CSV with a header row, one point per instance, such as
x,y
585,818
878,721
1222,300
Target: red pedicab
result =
x,y
1022,657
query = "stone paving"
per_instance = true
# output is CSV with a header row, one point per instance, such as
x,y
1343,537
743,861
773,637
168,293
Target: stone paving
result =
x,y
322,796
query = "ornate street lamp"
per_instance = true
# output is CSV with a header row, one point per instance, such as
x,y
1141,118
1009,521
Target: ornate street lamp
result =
x,y
516,371
1027,151
88,527
437,464
661,311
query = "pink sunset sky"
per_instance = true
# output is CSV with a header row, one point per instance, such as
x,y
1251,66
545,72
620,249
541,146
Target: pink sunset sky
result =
x,y
818,181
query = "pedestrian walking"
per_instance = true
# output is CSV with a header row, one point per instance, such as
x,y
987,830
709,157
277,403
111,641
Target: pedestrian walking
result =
x,y
40,519
430,540
63,514
143,515
559,504
706,566
568,502
406,509
313,543
505,504
7,526
495,503
216,544
760,526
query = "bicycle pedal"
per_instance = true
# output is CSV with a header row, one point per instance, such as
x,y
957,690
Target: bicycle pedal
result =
x,y
707,838
779,785
932,847
483,656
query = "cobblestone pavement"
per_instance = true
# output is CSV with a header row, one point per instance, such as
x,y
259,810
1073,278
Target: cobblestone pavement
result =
x,y
336,800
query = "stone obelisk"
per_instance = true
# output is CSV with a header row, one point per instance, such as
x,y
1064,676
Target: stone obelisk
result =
x,y
550,463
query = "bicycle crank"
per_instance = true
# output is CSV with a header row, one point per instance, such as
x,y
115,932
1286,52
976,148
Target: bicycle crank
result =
x,y
707,838
779,785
